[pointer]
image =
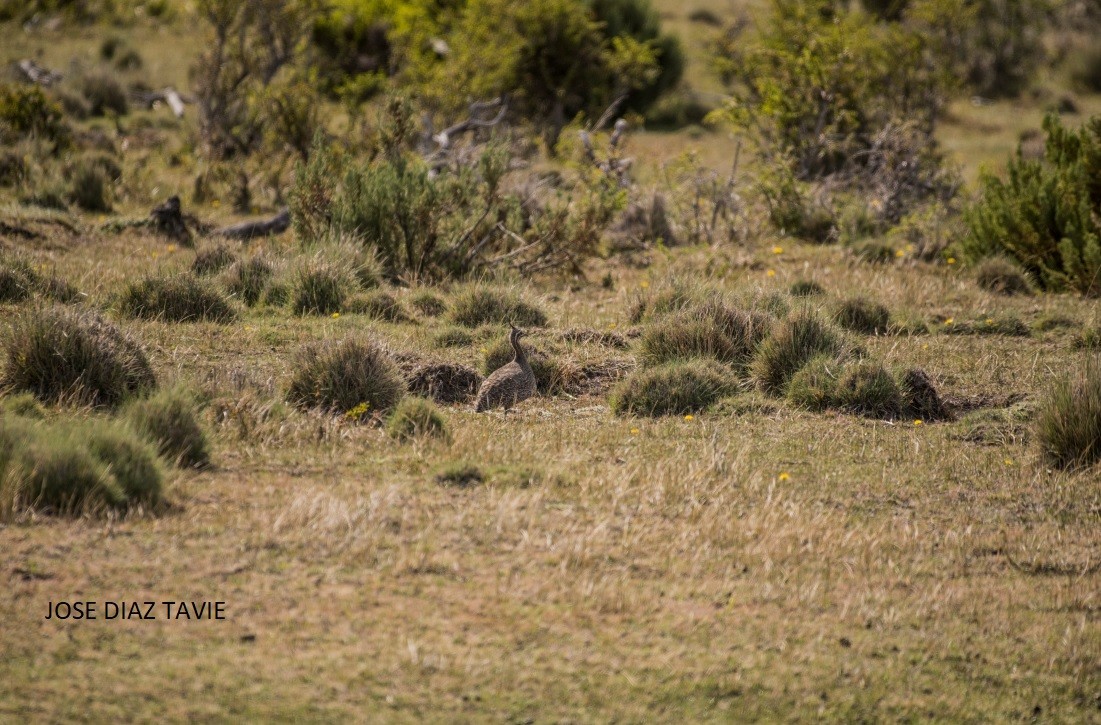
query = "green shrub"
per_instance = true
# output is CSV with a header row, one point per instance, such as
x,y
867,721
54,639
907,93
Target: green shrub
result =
x,y
428,303
806,288
180,298
793,343
672,389
1046,215
416,418
131,462
212,259
863,315
352,375
247,280
26,112
169,421
479,305
64,356
319,289
378,305
794,212
1068,424
1000,275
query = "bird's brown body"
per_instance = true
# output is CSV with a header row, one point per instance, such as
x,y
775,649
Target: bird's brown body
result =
x,y
508,385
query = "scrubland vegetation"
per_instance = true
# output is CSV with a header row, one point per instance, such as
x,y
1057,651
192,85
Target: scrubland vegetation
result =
x,y
811,300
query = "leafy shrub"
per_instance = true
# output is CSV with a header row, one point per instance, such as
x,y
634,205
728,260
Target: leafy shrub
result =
x,y
104,95
672,389
806,288
180,298
211,260
1068,424
478,305
792,343
416,418
428,303
352,374
378,305
1000,275
793,210
319,289
64,356
26,112
247,280
1046,215
169,421
863,315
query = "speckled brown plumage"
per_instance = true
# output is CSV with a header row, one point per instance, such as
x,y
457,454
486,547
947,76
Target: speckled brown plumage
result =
x,y
508,385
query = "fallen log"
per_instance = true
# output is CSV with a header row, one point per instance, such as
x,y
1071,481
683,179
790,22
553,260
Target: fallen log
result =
x,y
257,228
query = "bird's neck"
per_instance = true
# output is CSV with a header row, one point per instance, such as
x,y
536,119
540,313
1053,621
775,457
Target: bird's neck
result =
x,y
520,356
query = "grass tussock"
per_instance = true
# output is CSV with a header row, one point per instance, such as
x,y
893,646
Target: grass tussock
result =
x,y
1007,325
481,305
869,389
20,280
180,298
248,280
460,474
862,315
170,421
806,288
1068,423
63,356
416,418
672,389
378,305
444,382
319,289
710,330
212,259
427,303
74,468
792,343
1002,276
453,337
354,376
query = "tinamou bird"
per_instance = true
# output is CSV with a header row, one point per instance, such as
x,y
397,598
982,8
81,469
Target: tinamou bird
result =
x,y
508,385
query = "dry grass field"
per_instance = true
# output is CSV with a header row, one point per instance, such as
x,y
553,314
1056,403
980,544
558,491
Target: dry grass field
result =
x,y
753,561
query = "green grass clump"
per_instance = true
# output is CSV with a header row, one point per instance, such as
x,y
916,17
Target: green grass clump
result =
x,y
1001,275
793,343
350,375
480,305
867,388
817,385
863,315
874,252
416,418
24,405
89,185
670,297
212,259
428,303
378,305
248,280
319,290
1068,423
806,288
63,356
711,330
104,95
20,280
180,298
169,420
672,389
1007,325
1088,339
74,468
453,337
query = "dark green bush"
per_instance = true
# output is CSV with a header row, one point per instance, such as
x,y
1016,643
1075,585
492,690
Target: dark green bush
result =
x,y
180,298
1000,275
131,462
1068,424
352,376
378,305
672,389
416,418
169,420
479,305
319,289
793,343
248,279
1046,215
26,112
64,356
863,315
211,260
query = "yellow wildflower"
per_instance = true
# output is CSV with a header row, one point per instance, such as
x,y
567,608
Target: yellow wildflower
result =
x,y
951,260
336,315
634,431
777,250
771,273
950,320
643,284
900,253
919,422
689,417
215,203
784,475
